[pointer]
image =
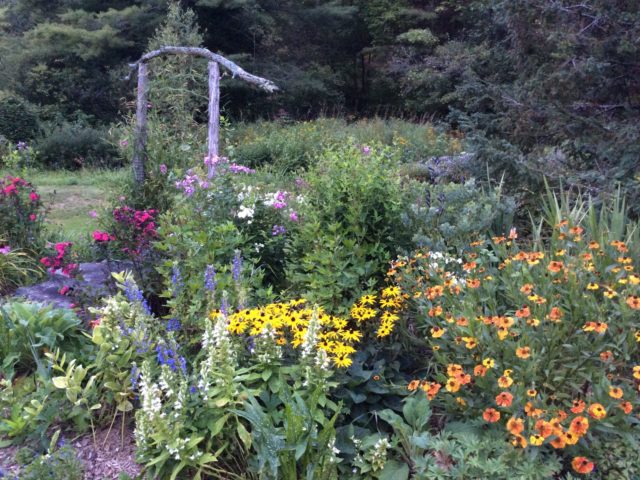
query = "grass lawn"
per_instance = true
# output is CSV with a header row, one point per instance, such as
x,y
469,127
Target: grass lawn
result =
x,y
71,196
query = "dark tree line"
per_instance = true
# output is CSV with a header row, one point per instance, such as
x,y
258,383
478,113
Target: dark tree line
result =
x,y
522,76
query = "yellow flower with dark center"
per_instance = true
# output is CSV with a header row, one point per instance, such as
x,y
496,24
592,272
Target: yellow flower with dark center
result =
x,y
437,332
536,440
597,411
616,392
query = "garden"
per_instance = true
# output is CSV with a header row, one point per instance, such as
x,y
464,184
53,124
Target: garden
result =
x,y
363,298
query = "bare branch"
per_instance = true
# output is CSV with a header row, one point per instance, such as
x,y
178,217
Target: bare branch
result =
x,y
235,70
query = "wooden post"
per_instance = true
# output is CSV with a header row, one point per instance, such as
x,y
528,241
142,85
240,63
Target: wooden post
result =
x,y
214,114
139,148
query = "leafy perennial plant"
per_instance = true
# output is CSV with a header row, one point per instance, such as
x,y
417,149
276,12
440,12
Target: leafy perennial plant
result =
x,y
544,342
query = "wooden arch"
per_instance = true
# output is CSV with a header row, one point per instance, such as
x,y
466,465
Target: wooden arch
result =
x,y
139,148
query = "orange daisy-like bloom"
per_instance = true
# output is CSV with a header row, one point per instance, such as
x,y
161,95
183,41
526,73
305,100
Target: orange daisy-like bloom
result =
x,y
437,332
533,322
598,327
531,411
479,370
523,352
431,389
616,392
626,407
555,266
505,381
594,245
577,230
504,399
634,302
515,426
491,415
473,282
462,322
435,311
606,356
578,406
558,442
519,441
579,426
562,415
582,465
413,385
544,428
527,288
597,411
555,314
524,312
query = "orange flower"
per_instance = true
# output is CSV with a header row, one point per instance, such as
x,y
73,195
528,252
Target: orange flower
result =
x,y
606,355
555,314
544,428
579,426
524,312
527,288
505,382
479,370
616,392
473,282
491,415
578,406
437,332
504,399
555,266
469,266
413,384
431,389
562,415
524,352
634,302
594,245
626,407
519,441
598,327
597,411
435,311
582,465
531,411
515,426
558,442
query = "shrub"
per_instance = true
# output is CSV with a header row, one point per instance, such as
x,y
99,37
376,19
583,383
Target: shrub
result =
x,y
542,342
18,118
58,464
75,145
351,224
21,214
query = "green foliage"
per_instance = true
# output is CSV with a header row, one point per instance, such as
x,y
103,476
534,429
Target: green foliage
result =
x,y
298,145
30,329
58,464
75,145
352,224
455,214
458,451
19,120
16,269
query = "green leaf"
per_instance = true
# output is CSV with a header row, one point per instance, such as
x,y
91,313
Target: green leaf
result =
x,y
244,435
394,470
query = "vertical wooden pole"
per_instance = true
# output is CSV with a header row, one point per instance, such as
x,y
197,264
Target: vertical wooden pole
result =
x,y
139,148
214,113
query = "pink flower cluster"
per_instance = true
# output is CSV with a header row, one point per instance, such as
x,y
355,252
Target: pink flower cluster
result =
x,y
102,237
58,261
139,227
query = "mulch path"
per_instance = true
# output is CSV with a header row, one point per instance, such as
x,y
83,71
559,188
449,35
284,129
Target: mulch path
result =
x,y
105,460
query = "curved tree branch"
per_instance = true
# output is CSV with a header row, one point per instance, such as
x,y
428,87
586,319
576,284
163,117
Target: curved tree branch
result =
x,y
235,70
